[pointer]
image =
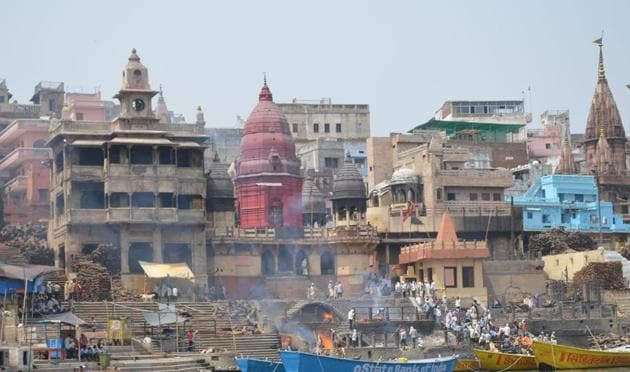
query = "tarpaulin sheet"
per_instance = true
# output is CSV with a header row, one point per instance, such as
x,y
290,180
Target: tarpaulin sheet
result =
x,y
173,270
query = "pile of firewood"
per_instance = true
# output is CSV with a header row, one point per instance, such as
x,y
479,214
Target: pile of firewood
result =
x,y
608,341
120,293
25,243
608,274
95,280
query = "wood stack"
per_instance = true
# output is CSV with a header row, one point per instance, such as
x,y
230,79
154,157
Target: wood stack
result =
x,y
25,243
608,341
608,274
120,293
95,280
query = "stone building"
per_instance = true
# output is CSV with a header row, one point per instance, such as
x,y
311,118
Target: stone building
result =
x,y
454,265
545,144
283,240
133,182
605,145
24,171
86,106
267,181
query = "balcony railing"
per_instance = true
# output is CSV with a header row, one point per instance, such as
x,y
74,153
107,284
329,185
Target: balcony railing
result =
x,y
26,153
310,233
17,183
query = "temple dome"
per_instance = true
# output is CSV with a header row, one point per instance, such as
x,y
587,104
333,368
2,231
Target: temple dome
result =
x,y
405,175
348,183
312,198
267,145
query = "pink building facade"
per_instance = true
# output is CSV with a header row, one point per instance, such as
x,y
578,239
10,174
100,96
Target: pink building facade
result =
x,y
546,143
25,171
85,106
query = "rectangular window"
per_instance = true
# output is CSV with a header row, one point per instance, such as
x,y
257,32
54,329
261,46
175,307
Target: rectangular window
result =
x,y
316,128
579,198
59,162
189,158
51,105
338,127
331,162
142,200
546,218
189,202
430,274
547,146
79,116
450,277
91,194
327,128
473,196
565,218
141,155
166,155
530,215
167,200
59,205
451,196
117,153
43,195
624,209
1,99
119,200
468,277
90,155
496,196
485,196
294,126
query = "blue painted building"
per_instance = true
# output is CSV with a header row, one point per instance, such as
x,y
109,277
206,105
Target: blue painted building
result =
x,y
568,201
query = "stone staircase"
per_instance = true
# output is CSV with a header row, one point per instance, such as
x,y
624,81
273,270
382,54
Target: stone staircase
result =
x,y
212,321
156,364
287,287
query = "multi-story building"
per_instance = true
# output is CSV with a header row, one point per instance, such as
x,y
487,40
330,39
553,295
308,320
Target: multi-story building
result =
x,y
47,96
25,171
86,106
133,182
570,202
481,121
545,144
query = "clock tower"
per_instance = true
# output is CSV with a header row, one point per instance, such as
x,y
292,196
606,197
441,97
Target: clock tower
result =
x,y
136,94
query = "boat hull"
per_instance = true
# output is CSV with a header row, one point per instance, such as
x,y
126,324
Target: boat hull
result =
x,y
258,365
496,361
296,361
467,365
568,357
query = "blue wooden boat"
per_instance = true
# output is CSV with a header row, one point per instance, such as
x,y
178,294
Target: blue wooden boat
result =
x,y
297,361
258,365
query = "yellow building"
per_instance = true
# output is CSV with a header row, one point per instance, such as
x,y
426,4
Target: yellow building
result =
x,y
454,265
563,266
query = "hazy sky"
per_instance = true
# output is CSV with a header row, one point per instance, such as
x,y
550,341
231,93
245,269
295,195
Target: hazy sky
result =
x,y
403,58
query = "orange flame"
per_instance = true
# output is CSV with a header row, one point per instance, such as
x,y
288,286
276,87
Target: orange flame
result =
x,y
328,316
326,341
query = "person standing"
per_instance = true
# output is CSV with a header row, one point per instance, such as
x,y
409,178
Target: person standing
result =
x,y
331,290
354,338
190,337
413,334
403,338
339,290
351,316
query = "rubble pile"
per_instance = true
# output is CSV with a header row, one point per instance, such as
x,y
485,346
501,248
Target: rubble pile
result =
x,y
608,341
120,293
25,243
608,274
107,255
94,278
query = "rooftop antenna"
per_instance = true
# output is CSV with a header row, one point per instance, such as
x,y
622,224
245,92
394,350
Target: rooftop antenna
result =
x,y
265,78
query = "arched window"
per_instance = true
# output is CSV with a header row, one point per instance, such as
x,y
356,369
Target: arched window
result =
x,y
139,251
327,263
268,263
285,260
375,201
439,195
301,263
354,213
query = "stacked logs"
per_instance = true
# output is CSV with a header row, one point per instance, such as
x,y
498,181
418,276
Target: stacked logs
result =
x,y
94,278
608,341
25,243
608,274
120,293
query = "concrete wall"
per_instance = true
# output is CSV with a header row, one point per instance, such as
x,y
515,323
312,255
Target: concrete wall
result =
x,y
379,159
513,278
564,266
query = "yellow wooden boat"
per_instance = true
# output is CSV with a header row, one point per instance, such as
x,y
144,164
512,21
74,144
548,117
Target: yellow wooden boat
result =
x,y
497,361
569,357
467,365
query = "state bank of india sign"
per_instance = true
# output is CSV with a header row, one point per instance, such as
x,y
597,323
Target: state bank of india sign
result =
x,y
370,367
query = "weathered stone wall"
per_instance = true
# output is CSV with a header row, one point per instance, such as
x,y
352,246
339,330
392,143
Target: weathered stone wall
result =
x,y
513,278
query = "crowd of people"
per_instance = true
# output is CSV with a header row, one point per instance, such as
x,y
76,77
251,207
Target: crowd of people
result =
x,y
85,350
